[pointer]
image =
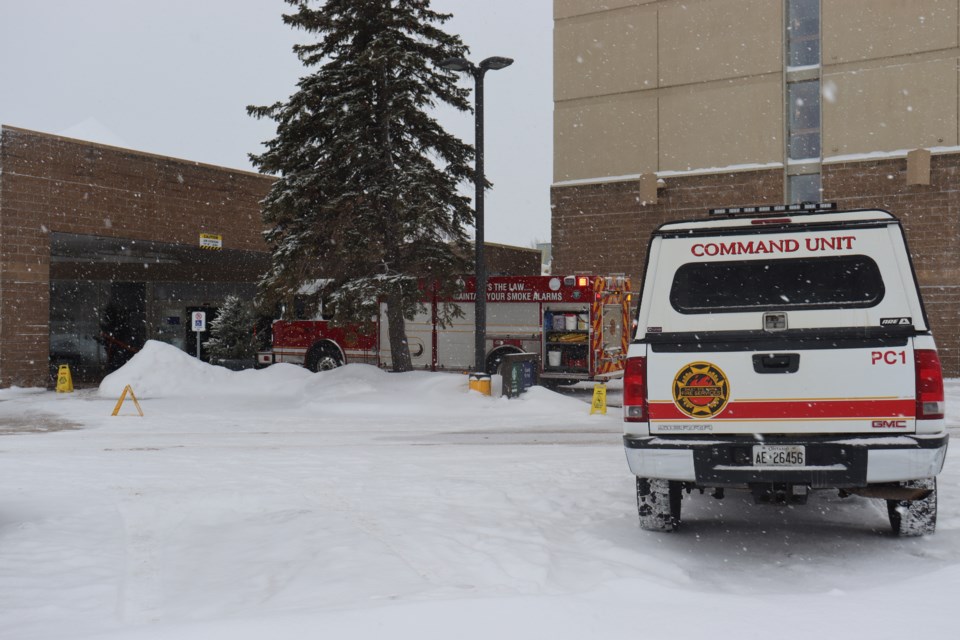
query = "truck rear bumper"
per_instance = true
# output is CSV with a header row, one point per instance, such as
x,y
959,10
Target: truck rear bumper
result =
x,y
853,461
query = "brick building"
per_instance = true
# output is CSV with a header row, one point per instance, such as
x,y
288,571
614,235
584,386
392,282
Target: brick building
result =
x,y
100,250
665,108
86,227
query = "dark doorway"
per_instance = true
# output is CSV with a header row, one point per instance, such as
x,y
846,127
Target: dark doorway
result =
x,y
123,322
75,310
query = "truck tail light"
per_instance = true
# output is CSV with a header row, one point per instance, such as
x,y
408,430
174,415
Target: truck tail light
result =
x,y
635,390
930,401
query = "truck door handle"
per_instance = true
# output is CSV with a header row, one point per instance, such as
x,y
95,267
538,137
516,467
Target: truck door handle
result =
x,y
776,362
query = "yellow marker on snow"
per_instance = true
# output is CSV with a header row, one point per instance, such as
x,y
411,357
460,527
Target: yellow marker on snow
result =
x,y
64,379
127,389
599,404
479,382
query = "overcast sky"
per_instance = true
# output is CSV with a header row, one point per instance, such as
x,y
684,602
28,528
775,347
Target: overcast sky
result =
x,y
174,78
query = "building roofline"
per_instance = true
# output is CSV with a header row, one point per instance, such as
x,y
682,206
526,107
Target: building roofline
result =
x,y
512,247
146,154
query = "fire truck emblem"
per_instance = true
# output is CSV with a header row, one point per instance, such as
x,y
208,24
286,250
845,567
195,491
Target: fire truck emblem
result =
x,y
701,390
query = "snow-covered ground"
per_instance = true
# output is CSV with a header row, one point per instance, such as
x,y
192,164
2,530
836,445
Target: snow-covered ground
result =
x,y
359,504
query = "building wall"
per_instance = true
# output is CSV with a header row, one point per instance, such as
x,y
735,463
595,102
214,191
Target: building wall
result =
x,y
670,85
605,228
50,184
903,105
889,75
861,30
653,86
515,261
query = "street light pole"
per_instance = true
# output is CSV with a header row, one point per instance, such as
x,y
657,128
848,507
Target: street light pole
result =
x,y
480,266
480,263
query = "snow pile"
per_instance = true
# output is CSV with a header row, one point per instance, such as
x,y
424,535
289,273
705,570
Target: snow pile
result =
x,y
161,371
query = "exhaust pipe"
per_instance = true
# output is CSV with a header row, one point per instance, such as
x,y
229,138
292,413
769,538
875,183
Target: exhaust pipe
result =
x,y
890,492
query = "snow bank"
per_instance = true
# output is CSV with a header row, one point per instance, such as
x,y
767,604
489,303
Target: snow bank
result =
x,y
160,370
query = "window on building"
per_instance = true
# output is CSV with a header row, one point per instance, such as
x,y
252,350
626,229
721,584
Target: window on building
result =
x,y
804,188
803,132
803,104
803,33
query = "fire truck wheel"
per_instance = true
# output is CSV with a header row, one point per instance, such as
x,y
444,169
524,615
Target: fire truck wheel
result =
x,y
323,357
495,358
914,517
554,383
658,504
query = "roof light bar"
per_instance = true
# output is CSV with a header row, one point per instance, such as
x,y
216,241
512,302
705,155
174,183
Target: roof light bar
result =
x,y
767,209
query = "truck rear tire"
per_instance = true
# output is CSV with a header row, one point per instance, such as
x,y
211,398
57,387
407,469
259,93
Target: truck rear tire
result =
x,y
658,504
911,518
322,357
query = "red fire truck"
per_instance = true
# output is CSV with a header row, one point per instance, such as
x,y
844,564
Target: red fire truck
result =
x,y
577,325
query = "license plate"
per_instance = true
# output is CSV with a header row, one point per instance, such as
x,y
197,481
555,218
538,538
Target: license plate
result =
x,y
764,455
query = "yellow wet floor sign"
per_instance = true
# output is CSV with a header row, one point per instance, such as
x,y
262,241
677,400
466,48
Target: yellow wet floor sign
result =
x,y
127,389
599,404
64,379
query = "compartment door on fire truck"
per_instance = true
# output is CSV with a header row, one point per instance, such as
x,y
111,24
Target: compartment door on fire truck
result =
x,y
419,333
611,330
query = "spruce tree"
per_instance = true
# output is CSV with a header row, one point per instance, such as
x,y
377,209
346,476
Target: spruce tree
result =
x,y
366,196
231,332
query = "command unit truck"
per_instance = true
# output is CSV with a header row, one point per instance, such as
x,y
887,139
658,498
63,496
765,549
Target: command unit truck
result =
x,y
779,350
577,325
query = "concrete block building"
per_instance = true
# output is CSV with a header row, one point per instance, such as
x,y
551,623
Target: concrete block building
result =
x,y
665,108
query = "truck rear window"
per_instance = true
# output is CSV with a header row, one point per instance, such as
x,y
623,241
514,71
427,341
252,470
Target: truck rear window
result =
x,y
795,283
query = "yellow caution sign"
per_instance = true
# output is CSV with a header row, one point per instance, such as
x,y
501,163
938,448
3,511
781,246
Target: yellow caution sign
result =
x,y
64,379
127,389
599,404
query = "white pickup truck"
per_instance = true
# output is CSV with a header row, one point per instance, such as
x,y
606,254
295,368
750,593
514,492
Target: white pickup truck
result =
x,y
784,349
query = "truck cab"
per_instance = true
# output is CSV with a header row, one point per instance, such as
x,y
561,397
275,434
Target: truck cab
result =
x,y
782,350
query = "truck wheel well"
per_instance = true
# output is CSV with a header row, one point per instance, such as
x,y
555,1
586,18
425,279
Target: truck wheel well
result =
x,y
323,356
914,517
495,357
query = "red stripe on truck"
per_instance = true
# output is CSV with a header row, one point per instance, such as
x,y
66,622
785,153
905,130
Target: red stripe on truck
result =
x,y
796,410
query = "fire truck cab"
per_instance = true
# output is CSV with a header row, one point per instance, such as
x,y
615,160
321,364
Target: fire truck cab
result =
x,y
577,325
